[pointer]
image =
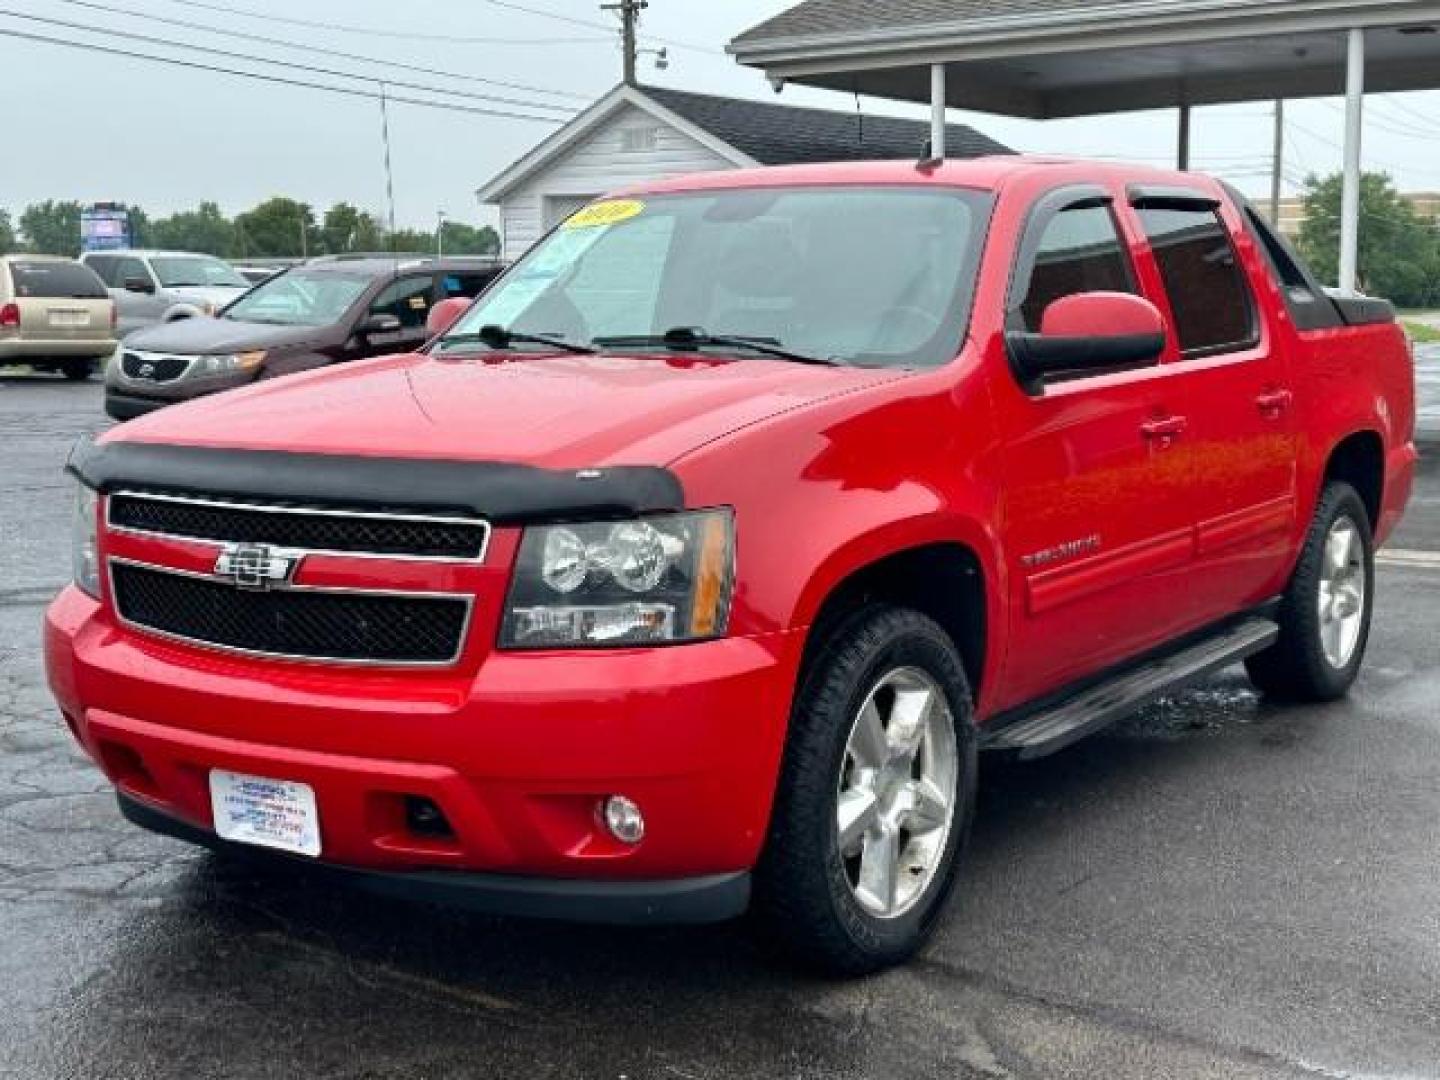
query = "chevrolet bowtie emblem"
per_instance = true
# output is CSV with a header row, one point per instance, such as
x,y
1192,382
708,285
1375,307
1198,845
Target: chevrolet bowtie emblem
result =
x,y
256,566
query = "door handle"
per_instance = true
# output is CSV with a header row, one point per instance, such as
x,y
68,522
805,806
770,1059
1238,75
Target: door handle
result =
x,y
1274,402
1165,429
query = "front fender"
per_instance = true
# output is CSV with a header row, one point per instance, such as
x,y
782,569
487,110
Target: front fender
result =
x,y
822,492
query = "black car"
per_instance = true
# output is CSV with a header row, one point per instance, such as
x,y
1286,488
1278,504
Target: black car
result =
x,y
323,312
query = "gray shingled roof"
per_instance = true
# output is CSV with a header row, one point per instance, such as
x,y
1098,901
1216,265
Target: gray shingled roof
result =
x,y
776,134
841,16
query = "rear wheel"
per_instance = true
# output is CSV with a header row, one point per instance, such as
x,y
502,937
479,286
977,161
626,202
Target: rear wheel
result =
x,y
1325,614
875,799
77,370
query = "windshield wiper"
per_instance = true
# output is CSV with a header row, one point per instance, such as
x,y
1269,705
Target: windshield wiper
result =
x,y
688,338
498,337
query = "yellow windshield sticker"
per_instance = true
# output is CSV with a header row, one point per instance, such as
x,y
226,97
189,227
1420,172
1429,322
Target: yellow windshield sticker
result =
x,y
598,215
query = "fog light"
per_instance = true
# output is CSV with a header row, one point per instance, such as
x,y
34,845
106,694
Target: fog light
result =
x,y
623,819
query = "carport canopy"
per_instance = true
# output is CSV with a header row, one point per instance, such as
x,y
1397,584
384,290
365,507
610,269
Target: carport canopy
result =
x,y
1046,59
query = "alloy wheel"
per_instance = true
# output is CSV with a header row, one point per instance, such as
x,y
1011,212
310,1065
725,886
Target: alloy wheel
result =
x,y
896,793
1342,592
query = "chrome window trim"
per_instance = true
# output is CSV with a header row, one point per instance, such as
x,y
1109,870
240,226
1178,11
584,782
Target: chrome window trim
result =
x,y
430,519
463,639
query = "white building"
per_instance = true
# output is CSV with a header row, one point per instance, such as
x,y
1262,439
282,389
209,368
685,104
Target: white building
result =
x,y
638,133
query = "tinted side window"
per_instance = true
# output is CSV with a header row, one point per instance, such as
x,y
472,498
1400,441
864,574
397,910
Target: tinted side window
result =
x,y
469,283
1208,294
125,269
104,265
1080,251
407,299
1309,307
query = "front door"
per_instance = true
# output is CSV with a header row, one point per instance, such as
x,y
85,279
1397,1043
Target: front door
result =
x,y
1238,398
408,299
1097,491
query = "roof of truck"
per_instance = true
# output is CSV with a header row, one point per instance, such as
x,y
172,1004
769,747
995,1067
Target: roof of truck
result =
x,y
984,173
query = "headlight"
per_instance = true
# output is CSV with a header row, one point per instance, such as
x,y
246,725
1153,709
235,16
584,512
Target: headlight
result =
x,y
654,579
85,552
226,363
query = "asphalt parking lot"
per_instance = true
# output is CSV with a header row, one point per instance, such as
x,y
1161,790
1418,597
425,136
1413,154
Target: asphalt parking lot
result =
x,y
1218,888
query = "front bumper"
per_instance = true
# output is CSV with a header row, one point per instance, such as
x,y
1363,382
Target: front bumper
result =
x,y
122,406
710,899
517,754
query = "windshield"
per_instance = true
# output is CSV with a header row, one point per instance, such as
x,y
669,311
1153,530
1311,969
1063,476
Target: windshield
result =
x,y
299,299
201,270
872,276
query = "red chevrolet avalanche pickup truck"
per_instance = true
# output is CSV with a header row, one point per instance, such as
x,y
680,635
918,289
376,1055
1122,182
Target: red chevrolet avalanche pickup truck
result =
x,y
688,570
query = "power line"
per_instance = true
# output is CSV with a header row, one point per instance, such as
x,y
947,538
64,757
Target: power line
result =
x,y
372,31
1387,164
337,53
511,5
250,58
280,80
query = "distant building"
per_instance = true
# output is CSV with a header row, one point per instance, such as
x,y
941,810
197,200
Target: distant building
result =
x,y
636,134
1292,210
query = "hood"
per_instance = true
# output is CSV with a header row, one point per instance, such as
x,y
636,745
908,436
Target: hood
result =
x,y
215,294
560,412
202,334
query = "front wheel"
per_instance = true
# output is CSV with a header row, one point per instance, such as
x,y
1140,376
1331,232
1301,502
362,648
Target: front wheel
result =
x,y
875,799
1325,613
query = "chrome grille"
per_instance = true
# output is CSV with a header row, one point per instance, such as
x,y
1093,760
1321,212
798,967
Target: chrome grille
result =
x,y
154,367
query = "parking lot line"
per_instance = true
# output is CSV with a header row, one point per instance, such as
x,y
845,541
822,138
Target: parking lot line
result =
x,y
1429,560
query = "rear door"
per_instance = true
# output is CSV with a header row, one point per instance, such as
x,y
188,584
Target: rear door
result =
x,y
61,301
1097,497
1241,427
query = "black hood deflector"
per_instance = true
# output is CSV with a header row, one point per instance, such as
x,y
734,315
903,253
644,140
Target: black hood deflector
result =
x,y
500,492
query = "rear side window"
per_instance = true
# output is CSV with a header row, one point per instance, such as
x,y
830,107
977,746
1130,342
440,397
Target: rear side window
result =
x,y
1309,307
60,279
469,283
1080,251
1214,312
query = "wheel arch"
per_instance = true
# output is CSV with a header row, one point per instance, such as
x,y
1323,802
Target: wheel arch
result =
x,y
1359,460
945,580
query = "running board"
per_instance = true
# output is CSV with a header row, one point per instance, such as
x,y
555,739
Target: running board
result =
x,y
1072,718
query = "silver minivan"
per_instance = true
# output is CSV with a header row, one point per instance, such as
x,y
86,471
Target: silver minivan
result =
x,y
151,287
54,315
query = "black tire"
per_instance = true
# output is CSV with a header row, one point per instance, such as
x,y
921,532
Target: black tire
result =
x,y
1296,668
77,370
803,900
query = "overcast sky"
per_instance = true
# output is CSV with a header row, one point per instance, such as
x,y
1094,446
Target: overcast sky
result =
x,y
90,126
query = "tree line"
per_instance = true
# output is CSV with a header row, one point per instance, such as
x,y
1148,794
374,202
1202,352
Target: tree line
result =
x,y
1399,246
278,227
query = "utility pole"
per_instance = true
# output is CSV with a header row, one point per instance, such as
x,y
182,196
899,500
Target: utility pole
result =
x,y
629,11
1278,165
439,234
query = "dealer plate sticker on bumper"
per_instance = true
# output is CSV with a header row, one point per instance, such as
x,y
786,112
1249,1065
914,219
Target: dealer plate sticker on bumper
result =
x,y
268,813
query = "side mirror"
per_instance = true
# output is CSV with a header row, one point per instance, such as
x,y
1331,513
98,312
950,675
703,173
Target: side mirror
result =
x,y
1087,332
139,285
443,315
379,323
